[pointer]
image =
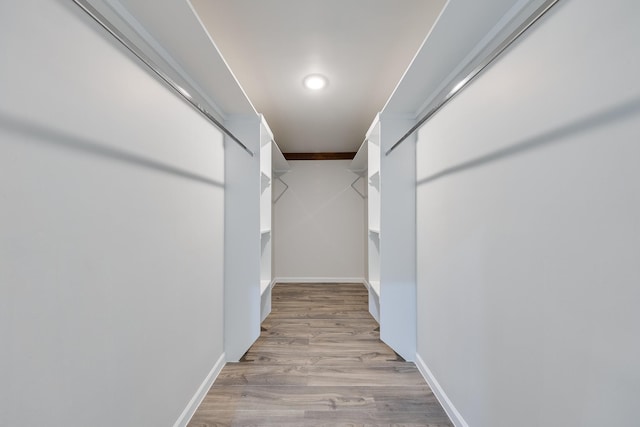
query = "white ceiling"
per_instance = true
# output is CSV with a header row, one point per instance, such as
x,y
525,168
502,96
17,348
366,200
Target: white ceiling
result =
x,y
362,46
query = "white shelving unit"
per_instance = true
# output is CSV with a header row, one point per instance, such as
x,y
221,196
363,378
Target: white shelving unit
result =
x,y
390,231
272,165
359,164
278,162
265,219
373,218
265,266
242,227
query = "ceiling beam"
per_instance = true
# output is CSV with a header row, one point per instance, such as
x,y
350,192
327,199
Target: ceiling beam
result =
x,y
319,156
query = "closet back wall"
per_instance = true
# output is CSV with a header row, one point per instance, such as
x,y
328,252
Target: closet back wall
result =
x,y
319,224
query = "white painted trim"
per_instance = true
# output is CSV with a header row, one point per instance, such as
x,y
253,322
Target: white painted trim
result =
x,y
452,412
320,280
202,391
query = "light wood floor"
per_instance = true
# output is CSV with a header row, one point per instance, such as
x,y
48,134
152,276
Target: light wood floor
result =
x,y
319,361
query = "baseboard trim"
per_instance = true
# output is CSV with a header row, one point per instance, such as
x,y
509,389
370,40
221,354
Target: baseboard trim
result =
x,y
442,397
197,398
320,280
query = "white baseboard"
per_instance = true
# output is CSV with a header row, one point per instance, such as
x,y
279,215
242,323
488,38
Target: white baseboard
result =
x,y
320,280
442,397
197,398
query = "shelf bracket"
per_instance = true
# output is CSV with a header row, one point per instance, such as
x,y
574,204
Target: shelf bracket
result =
x,y
353,185
286,187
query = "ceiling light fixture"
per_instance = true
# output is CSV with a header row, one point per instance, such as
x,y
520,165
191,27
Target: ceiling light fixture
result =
x,y
315,82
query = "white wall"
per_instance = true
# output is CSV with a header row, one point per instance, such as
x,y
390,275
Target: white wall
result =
x,y
528,238
397,238
111,230
242,239
319,223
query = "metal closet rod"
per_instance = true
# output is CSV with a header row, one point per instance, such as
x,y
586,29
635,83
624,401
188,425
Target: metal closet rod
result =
x,y
462,83
104,23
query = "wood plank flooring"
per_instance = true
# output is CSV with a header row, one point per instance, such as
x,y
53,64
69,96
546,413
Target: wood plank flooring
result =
x,y
319,361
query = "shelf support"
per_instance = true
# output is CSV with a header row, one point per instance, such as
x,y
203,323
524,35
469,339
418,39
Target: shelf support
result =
x,y
353,185
286,187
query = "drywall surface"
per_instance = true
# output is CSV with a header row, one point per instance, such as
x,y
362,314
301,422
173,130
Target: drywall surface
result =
x,y
528,202
319,223
242,239
111,230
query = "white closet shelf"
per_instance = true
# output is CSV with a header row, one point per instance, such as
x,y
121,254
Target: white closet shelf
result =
x,y
265,181
374,180
374,232
359,162
374,285
264,285
280,164
265,233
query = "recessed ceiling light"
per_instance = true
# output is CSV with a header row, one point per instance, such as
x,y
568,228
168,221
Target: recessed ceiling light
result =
x,y
315,82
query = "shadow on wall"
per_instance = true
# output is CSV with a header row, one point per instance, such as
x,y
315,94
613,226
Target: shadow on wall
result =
x,y
594,121
71,142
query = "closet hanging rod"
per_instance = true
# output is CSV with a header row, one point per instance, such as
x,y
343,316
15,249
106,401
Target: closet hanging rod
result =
x,y
118,35
462,83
